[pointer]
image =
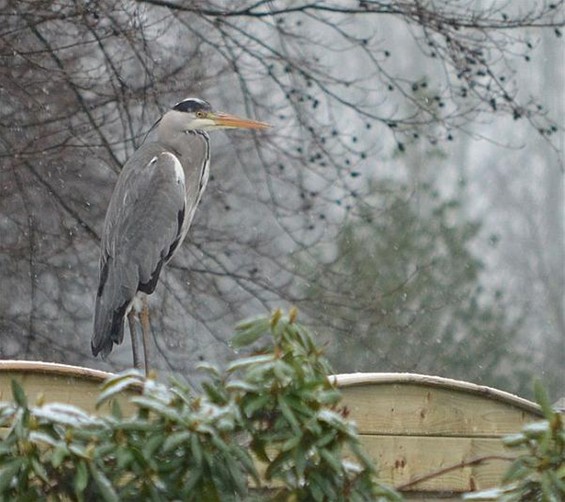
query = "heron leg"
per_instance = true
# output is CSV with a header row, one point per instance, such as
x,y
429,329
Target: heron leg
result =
x,y
134,341
146,329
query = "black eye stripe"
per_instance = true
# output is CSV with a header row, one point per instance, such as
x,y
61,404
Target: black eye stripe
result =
x,y
193,105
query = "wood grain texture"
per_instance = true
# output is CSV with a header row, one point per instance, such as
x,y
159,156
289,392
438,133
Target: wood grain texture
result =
x,y
60,383
415,425
433,407
404,459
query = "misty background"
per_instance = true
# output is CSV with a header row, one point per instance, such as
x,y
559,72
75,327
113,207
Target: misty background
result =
x,y
408,198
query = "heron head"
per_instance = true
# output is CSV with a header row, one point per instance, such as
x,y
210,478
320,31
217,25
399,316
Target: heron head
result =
x,y
197,114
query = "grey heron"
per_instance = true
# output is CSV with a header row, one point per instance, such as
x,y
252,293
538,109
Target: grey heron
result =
x,y
149,215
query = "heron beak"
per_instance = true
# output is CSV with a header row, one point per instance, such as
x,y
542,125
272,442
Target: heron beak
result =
x,y
232,122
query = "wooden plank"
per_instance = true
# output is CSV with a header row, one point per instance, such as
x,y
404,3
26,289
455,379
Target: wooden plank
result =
x,y
43,367
355,379
417,409
56,383
52,388
402,459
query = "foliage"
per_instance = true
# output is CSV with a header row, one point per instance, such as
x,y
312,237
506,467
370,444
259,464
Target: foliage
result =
x,y
539,473
277,404
406,295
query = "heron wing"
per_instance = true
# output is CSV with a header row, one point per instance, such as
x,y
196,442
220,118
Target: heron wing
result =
x,y
144,226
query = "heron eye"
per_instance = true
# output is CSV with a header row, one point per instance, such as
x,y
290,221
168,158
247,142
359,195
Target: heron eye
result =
x,y
201,115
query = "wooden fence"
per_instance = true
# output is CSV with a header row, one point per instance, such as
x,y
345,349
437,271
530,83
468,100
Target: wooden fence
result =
x,y
431,437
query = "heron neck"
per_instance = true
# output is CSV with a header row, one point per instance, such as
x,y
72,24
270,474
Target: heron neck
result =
x,y
173,133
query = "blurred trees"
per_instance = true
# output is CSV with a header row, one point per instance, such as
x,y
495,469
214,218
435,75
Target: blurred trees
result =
x,y
402,293
82,82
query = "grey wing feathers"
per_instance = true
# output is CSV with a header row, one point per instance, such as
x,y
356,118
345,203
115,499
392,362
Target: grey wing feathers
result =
x,y
143,227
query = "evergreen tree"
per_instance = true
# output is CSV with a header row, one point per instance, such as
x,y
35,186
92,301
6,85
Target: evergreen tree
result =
x,y
403,293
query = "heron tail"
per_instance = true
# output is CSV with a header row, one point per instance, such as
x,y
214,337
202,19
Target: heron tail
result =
x,y
110,310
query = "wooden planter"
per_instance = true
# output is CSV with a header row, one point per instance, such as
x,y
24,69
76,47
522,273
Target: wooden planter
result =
x,y
411,425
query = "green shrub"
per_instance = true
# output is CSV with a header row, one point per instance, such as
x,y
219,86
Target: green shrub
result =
x,y
274,408
537,474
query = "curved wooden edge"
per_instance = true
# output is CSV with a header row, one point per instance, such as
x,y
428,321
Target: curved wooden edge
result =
x,y
42,367
343,380
358,379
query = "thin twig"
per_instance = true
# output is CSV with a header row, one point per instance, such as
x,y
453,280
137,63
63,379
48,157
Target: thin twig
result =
x,y
459,465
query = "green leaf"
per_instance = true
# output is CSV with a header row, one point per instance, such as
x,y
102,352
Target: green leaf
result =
x,y
190,486
248,463
175,439
558,478
291,443
8,471
283,372
81,478
316,491
289,415
124,458
116,410
275,318
236,475
255,403
249,332
6,448
214,393
244,387
39,470
536,429
250,361
359,453
549,490
517,471
331,460
299,404
543,399
220,444
19,394
277,466
196,449
78,450
42,437
249,323
115,385
105,488
208,368
386,493
326,439
152,444
59,453
65,414
300,459
513,440
332,418
158,407
330,397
